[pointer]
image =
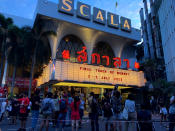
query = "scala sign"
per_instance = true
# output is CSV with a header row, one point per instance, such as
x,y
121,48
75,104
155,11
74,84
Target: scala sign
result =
x,y
99,15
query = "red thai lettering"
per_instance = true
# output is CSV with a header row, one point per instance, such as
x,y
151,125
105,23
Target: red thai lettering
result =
x,y
82,55
137,65
94,55
66,54
127,61
117,62
107,60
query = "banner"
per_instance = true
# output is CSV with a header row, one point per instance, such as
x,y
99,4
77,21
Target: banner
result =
x,y
97,74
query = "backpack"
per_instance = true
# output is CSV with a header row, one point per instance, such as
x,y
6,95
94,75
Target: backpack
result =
x,y
96,108
116,105
46,106
107,106
62,105
172,109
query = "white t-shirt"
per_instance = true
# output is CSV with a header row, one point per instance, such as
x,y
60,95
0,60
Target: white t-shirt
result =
x,y
171,99
130,105
82,104
3,106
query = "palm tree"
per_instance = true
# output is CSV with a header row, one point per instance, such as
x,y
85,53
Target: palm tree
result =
x,y
17,52
6,24
36,35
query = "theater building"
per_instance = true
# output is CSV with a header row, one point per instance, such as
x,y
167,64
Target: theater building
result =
x,y
93,49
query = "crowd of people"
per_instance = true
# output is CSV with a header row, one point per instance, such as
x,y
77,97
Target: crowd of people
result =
x,y
68,110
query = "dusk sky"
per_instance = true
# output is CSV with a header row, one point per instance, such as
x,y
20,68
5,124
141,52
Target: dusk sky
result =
x,y
127,8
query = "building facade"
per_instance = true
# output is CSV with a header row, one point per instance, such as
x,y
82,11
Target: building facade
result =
x,y
92,50
158,34
166,15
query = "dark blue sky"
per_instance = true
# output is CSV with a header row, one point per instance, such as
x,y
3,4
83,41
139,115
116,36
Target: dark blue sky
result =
x,y
26,8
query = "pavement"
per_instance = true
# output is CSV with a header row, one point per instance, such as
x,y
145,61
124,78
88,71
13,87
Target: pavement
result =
x,y
4,126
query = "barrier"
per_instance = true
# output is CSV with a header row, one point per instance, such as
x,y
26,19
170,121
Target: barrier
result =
x,y
156,125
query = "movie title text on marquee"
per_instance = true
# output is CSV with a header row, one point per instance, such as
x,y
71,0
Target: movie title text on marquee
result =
x,y
99,15
97,74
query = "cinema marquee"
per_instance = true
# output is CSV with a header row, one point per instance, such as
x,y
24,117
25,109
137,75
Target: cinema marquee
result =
x,y
99,16
92,50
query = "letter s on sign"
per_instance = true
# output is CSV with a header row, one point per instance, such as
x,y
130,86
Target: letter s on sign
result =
x,y
69,8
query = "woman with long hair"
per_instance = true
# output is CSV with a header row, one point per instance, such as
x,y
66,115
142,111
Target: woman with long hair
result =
x,y
75,116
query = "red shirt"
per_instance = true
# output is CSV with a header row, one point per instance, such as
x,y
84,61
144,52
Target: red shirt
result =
x,y
24,102
75,112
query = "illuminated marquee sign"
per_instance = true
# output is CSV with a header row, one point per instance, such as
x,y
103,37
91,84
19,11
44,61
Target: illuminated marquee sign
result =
x,y
99,15
96,58
89,73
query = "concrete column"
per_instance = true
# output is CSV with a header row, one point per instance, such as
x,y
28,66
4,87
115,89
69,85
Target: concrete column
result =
x,y
144,36
150,40
52,77
53,43
53,40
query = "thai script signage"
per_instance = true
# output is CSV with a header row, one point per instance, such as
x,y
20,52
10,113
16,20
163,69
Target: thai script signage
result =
x,y
98,74
96,59
99,15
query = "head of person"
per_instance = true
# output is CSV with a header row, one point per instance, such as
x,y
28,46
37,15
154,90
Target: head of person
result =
x,y
131,97
146,105
55,96
106,95
116,87
22,95
92,94
117,94
37,92
65,96
76,99
69,95
49,95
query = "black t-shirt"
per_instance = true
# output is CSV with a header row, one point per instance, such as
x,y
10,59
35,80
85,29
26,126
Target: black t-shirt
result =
x,y
144,118
107,107
15,106
35,99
